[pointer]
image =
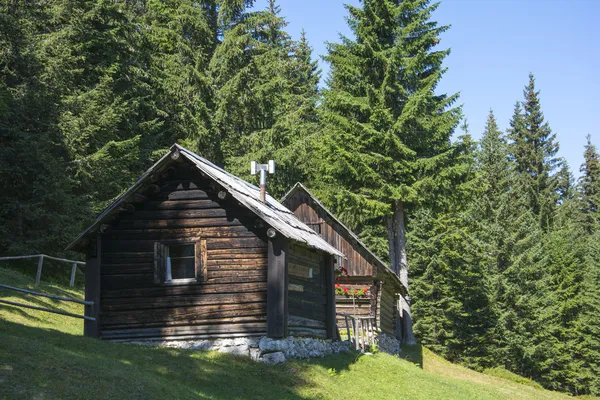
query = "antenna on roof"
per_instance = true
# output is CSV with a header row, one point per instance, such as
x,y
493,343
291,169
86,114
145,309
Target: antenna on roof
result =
x,y
263,169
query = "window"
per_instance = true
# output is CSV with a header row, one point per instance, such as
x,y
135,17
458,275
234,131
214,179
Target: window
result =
x,y
179,262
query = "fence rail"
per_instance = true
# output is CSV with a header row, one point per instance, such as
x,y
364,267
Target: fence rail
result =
x,y
14,303
40,257
364,330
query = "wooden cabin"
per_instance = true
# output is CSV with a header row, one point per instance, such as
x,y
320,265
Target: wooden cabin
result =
x,y
364,269
191,252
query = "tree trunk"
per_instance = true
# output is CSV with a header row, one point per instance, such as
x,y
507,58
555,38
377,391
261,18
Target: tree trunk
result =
x,y
392,244
402,263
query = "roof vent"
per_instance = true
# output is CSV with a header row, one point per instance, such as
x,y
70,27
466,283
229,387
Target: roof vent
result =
x,y
262,169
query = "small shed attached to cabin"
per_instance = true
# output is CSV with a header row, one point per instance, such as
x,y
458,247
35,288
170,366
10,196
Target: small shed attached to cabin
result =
x,y
364,268
191,252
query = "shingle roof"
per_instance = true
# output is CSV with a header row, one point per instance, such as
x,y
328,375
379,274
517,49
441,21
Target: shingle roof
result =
x,y
271,211
378,262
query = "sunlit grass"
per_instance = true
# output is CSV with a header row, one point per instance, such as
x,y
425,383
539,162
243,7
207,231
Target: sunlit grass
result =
x,y
45,356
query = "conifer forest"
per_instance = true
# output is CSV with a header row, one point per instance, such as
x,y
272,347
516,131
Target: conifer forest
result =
x,y
498,242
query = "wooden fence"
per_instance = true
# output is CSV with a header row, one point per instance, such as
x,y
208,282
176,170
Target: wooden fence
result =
x,y
40,257
14,303
361,330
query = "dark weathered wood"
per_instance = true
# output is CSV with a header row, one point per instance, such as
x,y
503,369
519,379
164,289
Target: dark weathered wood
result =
x,y
277,293
203,260
127,268
195,337
181,204
38,275
176,214
362,265
145,303
232,243
185,289
177,223
252,252
93,288
184,330
235,231
256,261
294,321
73,271
160,259
201,315
330,294
306,310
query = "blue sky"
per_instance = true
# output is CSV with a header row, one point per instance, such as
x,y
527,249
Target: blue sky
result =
x,y
495,44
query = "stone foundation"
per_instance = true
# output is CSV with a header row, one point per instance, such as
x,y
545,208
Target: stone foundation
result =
x,y
387,343
263,349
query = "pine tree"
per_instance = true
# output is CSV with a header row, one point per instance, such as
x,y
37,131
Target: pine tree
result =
x,y
266,97
589,186
39,212
534,151
180,41
386,141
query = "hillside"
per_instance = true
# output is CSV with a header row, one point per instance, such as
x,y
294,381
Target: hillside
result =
x,y
43,355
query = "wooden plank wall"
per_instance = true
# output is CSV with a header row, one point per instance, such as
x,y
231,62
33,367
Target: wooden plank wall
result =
x,y
306,296
306,211
232,299
361,268
360,306
387,309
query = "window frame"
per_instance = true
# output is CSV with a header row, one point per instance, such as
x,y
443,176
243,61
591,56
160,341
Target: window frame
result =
x,y
161,258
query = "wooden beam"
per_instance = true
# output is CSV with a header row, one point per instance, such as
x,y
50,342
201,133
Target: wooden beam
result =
x,y
91,328
277,288
73,271
38,275
176,156
138,198
153,189
330,295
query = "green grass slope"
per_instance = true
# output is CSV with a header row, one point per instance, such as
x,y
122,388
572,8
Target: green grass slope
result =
x,y
44,356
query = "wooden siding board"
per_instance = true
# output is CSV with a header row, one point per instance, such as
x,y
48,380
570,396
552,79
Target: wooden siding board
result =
x,y
277,293
230,294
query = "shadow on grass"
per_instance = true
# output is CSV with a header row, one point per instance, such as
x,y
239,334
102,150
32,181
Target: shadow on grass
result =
x,y
412,353
53,364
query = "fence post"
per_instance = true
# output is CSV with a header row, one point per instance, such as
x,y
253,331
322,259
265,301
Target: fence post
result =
x,y
348,328
38,276
73,269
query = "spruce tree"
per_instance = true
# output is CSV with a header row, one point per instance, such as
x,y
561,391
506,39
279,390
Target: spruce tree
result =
x,y
39,212
386,142
589,186
266,97
534,149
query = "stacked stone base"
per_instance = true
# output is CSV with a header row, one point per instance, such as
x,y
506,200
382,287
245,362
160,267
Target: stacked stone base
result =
x,y
263,349
388,344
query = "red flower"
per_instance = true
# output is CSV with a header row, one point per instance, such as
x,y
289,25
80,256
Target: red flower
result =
x,y
337,285
345,290
365,290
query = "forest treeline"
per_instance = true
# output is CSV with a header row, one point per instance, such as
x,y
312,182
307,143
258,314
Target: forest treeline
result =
x,y
502,245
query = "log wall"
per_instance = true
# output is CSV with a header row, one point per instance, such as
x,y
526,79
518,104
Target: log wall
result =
x,y
307,296
363,269
363,306
388,309
229,301
358,262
